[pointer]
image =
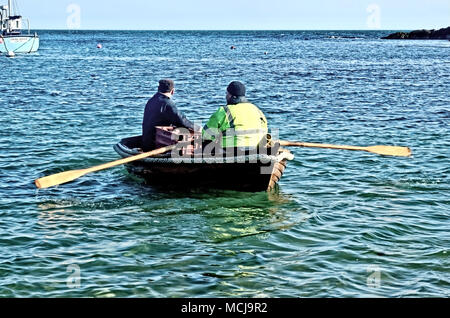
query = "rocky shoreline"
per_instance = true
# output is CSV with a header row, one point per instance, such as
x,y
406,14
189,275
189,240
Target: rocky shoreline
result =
x,y
441,34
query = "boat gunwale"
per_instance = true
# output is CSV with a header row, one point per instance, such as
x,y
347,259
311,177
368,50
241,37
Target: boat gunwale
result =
x,y
284,154
8,36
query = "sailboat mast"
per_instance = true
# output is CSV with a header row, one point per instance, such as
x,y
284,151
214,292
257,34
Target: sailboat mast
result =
x,y
8,23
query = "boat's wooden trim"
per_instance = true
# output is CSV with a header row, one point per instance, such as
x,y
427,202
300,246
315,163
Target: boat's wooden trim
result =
x,y
279,167
167,159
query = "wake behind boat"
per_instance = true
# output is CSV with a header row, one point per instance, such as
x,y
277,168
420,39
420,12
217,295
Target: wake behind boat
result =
x,y
12,40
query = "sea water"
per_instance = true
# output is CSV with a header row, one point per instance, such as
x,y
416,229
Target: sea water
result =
x,y
343,224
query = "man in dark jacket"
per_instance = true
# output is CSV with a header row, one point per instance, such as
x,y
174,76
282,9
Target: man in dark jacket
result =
x,y
161,111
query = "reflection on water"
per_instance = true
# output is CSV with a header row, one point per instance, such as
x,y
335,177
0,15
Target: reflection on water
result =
x,y
240,218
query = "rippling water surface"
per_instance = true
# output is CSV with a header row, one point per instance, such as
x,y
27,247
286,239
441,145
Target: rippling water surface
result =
x,y
344,224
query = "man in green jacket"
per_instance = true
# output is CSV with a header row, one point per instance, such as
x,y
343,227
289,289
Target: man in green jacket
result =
x,y
239,123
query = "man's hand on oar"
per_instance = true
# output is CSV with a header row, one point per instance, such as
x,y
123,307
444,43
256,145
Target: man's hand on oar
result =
x,y
67,176
380,150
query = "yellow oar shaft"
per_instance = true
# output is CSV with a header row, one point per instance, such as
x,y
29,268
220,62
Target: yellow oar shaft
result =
x,y
130,159
381,150
71,175
325,146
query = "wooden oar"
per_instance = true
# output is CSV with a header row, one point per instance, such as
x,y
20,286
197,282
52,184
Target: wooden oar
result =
x,y
71,175
380,150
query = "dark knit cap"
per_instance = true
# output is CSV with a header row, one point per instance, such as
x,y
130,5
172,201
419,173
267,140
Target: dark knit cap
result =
x,y
236,89
166,85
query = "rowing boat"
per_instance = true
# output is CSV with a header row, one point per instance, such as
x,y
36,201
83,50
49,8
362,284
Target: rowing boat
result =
x,y
245,171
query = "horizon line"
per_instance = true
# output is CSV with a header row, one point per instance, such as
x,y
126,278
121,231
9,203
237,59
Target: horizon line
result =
x,y
226,30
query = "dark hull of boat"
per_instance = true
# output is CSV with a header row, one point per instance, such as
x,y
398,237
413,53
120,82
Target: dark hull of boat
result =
x,y
253,174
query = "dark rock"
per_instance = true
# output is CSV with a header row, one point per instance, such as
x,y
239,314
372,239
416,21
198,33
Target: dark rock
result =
x,y
420,34
442,34
397,35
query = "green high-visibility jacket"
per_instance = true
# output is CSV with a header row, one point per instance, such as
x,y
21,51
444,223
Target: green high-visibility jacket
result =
x,y
239,125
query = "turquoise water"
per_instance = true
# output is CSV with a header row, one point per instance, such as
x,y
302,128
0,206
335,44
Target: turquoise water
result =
x,y
344,224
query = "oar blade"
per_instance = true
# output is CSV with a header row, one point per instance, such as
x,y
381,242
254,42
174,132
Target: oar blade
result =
x,y
391,151
59,178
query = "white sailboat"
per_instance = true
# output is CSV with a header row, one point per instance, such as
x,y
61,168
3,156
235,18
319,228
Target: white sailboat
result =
x,y
12,39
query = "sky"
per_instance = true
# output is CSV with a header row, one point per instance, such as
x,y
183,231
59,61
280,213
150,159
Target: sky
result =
x,y
236,14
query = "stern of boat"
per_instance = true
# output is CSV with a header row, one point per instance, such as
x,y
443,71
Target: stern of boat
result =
x,y
19,44
279,167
